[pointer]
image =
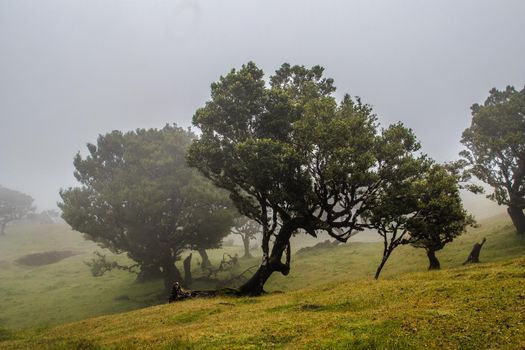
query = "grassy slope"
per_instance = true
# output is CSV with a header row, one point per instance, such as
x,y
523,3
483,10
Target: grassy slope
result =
x,y
59,292
355,260
467,307
77,295
64,291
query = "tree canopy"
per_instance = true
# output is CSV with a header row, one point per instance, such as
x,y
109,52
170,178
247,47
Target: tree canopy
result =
x,y
293,157
14,205
440,214
495,149
397,204
421,207
138,196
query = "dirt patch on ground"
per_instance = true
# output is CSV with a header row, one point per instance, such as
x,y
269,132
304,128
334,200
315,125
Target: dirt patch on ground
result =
x,y
45,258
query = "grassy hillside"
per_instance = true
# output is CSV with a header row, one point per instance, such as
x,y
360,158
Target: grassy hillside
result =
x,y
357,260
62,291
65,291
473,307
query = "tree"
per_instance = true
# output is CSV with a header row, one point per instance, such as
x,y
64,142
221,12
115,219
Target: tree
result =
x,y
247,229
440,214
138,196
495,153
14,205
421,207
397,206
292,157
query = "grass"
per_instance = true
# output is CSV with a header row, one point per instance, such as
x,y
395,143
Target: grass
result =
x,y
470,307
357,260
329,292
38,296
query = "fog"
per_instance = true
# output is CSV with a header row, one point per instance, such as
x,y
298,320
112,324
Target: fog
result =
x,y
70,70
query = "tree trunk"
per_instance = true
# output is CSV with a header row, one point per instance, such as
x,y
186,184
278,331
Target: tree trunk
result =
x,y
382,264
2,228
474,253
255,285
187,272
246,243
170,274
518,219
205,259
434,262
148,273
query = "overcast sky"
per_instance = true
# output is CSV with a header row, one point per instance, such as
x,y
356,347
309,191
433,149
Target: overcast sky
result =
x,y
70,70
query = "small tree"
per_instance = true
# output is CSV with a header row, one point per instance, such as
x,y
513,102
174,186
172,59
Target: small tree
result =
x,y
292,157
247,229
138,196
495,153
14,205
440,214
397,206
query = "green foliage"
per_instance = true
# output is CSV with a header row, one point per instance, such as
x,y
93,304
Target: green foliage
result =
x,y
495,145
138,196
292,157
14,205
440,216
420,206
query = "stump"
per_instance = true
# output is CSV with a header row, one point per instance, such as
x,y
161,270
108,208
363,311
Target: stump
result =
x,y
473,257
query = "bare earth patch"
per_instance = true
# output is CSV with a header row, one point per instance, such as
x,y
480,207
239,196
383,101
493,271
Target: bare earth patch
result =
x,y
45,258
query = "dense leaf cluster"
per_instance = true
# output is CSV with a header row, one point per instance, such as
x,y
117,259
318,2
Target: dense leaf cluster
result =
x,y
495,149
138,196
295,159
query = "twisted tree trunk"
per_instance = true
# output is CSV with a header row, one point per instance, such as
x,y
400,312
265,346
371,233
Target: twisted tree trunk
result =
x,y
434,262
273,263
205,259
518,219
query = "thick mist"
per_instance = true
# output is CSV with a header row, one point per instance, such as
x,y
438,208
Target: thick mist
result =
x,y
71,70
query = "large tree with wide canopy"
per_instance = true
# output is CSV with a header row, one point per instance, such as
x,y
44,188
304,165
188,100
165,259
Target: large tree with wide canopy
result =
x,y
293,158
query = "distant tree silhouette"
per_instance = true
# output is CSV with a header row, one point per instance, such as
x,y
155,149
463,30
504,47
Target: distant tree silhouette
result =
x,y
14,205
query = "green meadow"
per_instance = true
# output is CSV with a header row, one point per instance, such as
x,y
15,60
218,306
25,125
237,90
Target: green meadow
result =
x,y
329,300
